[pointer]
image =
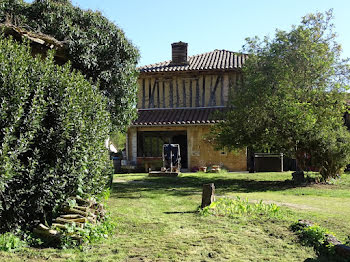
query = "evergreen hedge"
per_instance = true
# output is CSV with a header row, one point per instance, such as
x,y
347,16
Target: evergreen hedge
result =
x,y
53,124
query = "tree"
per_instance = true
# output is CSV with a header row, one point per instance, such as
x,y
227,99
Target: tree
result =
x,y
95,46
292,97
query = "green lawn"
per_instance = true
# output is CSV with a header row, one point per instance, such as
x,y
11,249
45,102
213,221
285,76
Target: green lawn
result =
x,y
157,220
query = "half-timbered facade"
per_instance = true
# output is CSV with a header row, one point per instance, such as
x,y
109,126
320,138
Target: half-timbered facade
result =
x,y
177,101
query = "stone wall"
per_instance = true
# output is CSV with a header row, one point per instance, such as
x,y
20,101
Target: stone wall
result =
x,y
201,153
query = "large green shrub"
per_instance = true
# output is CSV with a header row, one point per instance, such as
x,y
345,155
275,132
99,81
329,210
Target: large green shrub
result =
x,y
53,124
95,46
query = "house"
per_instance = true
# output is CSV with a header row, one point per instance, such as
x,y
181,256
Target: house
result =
x,y
177,101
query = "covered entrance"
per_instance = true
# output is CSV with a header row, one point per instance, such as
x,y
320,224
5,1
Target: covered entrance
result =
x,y
150,144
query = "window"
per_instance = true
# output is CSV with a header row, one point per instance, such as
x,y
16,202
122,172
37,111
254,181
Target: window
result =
x,y
150,144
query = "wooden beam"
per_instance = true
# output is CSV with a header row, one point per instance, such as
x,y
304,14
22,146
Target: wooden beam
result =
x,y
171,95
149,92
212,101
163,94
210,90
152,94
191,93
184,93
143,93
197,93
158,95
222,91
203,91
177,94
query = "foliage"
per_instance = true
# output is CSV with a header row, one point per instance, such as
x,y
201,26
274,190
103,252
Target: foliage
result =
x,y
331,152
30,239
240,207
10,242
347,242
53,125
118,139
104,196
90,233
95,46
315,236
292,97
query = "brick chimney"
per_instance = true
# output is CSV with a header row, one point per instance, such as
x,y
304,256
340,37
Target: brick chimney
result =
x,y
179,53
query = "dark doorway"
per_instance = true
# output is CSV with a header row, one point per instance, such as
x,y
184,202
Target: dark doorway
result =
x,y
150,143
182,141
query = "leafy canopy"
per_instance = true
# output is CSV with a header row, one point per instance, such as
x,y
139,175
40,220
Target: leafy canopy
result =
x,y
292,99
95,46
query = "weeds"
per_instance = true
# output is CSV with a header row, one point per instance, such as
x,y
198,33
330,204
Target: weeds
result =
x,y
75,236
315,236
240,207
11,242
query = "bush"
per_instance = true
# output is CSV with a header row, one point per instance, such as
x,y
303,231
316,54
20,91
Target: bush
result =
x,y
332,152
53,124
314,236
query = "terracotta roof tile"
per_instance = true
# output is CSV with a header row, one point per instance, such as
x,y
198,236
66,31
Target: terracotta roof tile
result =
x,y
216,60
177,116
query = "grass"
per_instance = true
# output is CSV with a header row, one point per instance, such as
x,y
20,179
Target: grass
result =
x,y
157,220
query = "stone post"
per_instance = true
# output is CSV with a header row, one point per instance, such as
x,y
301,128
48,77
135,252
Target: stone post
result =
x,y
208,195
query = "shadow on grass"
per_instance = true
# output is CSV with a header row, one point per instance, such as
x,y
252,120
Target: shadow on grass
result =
x,y
322,258
192,185
181,212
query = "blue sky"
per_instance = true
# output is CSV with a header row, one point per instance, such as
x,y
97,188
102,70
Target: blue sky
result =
x,y
206,25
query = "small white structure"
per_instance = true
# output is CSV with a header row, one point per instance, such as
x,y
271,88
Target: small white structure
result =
x,y
109,145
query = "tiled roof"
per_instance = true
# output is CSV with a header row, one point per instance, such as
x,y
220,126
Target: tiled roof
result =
x,y
216,60
177,116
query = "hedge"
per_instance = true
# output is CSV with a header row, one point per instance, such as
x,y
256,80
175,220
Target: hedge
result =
x,y
53,124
